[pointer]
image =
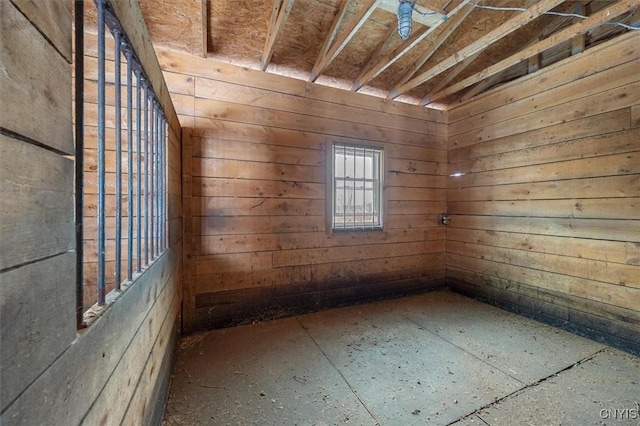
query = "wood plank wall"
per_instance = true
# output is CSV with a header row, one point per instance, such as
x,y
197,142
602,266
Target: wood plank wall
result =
x,y
254,152
546,217
117,370
37,264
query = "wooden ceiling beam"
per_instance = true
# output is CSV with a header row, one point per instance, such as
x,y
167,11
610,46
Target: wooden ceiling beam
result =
x,y
578,42
343,38
204,16
604,15
366,75
376,53
479,45
332,31
558,23
490,82
429,16
449,27
449,78
281,10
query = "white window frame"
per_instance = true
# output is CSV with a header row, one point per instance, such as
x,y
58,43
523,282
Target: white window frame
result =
x,y
349,218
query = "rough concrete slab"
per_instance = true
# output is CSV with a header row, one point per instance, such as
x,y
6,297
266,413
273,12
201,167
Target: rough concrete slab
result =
x,y
401,372
602,390
435,359
470,420
267,374
526,350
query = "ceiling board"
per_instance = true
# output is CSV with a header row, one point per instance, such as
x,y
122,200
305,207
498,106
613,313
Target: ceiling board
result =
x,y
238,29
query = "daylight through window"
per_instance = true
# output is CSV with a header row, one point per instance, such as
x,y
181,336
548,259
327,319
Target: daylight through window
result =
x,y
357,187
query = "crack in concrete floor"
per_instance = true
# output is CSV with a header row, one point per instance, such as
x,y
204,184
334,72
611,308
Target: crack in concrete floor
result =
x,y
437,358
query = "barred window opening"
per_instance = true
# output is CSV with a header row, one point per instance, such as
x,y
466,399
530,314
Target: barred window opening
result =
x,y
357,187
121,143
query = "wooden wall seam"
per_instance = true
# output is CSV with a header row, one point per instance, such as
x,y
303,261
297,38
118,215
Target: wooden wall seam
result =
x,y
257,216
546,204
37,264
123,354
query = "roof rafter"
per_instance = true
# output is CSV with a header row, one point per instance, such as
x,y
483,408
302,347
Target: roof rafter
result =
x,y
204,21
366,75
479,45
281,10
332,31
325,59
558,23
449,78
376,53
604,15
450,26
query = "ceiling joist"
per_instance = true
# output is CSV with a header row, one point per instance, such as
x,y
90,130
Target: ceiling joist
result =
x,y
386,61
534,62
449,78
604,15
281,10
376,54
479,45
350,44
343,38
204,19
578,42
332,31
448,28
368,74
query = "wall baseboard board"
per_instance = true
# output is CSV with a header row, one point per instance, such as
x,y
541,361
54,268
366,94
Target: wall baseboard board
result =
x,y
229,308
161,389
581,323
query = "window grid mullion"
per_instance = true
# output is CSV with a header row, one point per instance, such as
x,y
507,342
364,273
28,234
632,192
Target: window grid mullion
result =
x,y
356,190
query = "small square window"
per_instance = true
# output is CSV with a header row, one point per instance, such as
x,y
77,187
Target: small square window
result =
x,y
356,193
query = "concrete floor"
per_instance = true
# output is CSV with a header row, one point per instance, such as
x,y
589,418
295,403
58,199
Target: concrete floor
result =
x,y
434,359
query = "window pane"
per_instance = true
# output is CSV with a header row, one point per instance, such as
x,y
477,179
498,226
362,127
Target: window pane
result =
x,y
356,187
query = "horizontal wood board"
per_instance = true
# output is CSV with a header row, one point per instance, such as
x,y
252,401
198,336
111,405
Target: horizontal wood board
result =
x,y
255,164
545,207
53,373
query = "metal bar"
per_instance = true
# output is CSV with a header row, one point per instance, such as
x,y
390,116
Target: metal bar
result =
x,y
162,149
79,157
344,195
376,200
146,173
129,165
354,188
118,119
379,172
139,170
152,142
158,195
334,186
101,154
165,167
364,188
362,182
157,186
154,186
159,245
163,222
374,208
